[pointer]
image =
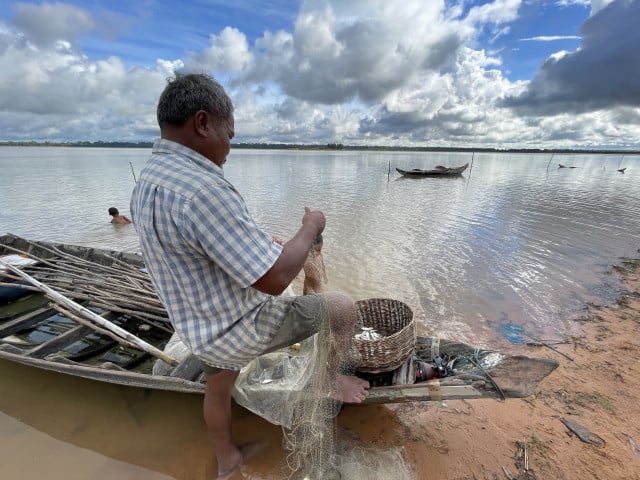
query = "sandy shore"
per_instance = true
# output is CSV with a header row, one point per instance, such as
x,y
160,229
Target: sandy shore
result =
x,y
486,439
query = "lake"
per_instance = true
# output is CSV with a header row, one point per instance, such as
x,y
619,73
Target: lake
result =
x,y
515,241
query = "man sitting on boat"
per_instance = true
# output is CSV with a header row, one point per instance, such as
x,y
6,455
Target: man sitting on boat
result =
x,y
217,272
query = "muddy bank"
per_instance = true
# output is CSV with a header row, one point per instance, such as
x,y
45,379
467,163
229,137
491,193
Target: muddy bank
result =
x,y
582,423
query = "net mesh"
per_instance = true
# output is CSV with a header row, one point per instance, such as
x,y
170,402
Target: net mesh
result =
x,y
310,439
297,388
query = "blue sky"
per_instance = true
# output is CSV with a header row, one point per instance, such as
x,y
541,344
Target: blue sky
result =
x,y
501,73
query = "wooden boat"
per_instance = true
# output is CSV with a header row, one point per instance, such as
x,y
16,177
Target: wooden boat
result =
x,y
438,171
126,329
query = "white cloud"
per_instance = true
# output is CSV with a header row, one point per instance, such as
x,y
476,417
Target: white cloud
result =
x,y
358,72
601,74
227,52
496,12
550,38
596,5
362,50
65,95
49,22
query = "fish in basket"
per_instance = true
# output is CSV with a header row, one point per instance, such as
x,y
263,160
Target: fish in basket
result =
x,y
385,335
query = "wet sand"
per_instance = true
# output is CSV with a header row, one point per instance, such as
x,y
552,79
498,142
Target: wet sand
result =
x,y
56,427
598,390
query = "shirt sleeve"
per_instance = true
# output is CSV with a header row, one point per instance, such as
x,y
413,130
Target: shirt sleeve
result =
x,y
219,223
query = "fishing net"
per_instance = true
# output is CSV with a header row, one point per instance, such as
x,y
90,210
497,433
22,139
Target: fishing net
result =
x,y
295,387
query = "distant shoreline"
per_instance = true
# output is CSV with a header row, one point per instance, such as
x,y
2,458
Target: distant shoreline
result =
x,y
331,146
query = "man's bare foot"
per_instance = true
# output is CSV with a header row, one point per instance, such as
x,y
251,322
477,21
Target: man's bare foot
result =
x,y
244,453
350,389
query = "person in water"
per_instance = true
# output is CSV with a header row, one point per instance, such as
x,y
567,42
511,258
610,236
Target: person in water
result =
x,y
118,219
217,272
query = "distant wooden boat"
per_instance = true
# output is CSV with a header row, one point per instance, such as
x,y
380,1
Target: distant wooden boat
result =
x,y
565,166
438,171
40,330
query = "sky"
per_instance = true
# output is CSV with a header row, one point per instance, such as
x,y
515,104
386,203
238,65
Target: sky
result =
x,y
444,73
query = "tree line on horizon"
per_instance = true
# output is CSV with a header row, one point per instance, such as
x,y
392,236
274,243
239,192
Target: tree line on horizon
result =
x,y
328,146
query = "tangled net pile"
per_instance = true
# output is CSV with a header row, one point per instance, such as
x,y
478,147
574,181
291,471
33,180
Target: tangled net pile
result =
x,y
315,449
294,387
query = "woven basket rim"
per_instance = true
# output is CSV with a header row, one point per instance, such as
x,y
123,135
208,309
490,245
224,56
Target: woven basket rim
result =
x,y
375,355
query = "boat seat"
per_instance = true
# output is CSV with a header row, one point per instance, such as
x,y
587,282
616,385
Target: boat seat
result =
x,y
190,368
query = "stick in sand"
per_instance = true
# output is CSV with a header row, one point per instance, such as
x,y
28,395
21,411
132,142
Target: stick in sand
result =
x,y
549,346
95,318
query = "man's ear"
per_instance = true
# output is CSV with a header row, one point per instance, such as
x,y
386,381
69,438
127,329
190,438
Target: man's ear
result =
x,y
201,120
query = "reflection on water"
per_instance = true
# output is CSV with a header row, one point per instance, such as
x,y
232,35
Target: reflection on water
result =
x,y
515,240
54,455
59,427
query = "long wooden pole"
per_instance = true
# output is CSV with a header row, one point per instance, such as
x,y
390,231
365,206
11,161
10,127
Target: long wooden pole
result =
x,y
95,318
469,177
549,161
550,347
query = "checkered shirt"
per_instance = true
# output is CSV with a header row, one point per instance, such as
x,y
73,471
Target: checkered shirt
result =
x,y
204,251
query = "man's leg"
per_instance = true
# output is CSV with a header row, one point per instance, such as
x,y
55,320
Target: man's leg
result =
x,y
217,416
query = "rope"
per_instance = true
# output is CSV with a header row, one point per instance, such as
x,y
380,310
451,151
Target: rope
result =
x,y
448,364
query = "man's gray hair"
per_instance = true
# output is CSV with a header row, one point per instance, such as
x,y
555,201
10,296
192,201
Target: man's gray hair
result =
x,y
186,94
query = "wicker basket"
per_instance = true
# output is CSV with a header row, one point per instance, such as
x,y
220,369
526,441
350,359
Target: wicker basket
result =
x,y
394,321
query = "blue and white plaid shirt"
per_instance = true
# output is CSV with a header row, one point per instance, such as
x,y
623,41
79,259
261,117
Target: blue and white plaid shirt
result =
x,y
204,251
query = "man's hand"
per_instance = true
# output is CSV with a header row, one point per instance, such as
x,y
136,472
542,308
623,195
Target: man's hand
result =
x,y
294,253
314,218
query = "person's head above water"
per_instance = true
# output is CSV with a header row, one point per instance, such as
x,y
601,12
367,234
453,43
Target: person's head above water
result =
x,y
117,218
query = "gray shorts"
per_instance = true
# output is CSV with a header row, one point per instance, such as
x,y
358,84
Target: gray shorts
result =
x,y
303,317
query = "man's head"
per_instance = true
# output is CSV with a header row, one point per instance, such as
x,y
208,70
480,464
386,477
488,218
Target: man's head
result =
x,y
113,211
194,110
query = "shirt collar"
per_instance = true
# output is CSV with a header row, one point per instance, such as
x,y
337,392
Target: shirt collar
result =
x,y
162,145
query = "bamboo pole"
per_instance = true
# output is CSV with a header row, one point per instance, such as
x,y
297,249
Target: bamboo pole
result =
x,y
76,277
550,347
20,286
95,318
130,301
469,177
92,326
133,271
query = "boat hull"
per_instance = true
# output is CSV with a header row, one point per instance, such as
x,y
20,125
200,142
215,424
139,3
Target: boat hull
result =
x,y
35,334
437,172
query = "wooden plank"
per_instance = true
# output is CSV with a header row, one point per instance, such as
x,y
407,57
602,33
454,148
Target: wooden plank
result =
x,y
82,311
10,311
189,369
131,379
27,320
432,391
58,343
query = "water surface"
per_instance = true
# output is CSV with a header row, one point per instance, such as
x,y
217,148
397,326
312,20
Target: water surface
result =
x,y
514,241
